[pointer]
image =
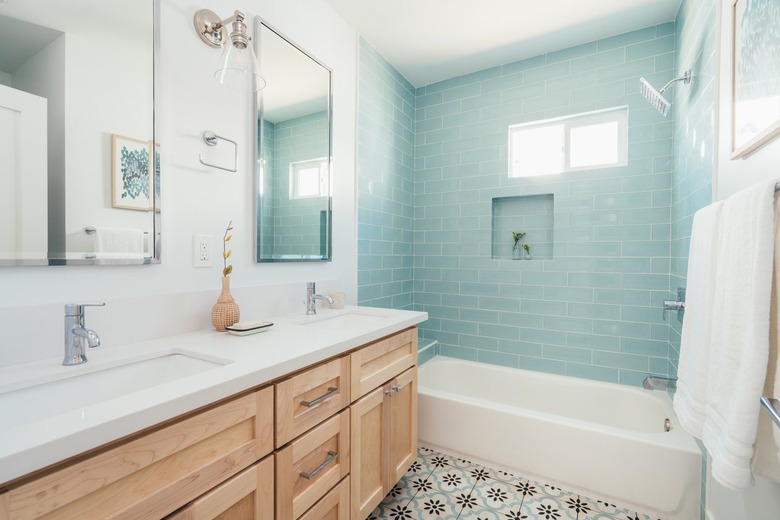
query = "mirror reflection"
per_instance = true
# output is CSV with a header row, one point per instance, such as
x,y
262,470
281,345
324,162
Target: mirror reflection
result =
x,y
293,217
78,165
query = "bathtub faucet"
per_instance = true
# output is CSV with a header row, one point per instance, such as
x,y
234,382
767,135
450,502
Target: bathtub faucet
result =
x,y
652,381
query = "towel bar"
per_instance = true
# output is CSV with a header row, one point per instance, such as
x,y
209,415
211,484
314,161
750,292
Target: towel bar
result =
x,y
210,138
773,407
90,230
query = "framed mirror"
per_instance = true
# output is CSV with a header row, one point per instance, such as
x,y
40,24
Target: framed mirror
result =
x,y
294,129
79,163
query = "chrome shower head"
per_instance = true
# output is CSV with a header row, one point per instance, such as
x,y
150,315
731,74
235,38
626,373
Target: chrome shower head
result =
x,y
654,96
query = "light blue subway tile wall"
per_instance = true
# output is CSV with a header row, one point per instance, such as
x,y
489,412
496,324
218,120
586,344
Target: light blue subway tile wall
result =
x,y
385,183
298,225
694,138
593,309
265,227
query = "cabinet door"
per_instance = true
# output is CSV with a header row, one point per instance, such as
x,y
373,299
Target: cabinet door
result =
x,y
369,431
402,441
247,496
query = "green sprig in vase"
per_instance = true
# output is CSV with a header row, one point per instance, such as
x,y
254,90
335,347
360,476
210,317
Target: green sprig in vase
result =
x,y
225,312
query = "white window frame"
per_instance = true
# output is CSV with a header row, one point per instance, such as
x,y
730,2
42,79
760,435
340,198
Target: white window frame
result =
x,y
616,114
296,167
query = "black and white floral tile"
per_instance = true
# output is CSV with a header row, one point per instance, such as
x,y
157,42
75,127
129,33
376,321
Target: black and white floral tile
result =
x,y
441,486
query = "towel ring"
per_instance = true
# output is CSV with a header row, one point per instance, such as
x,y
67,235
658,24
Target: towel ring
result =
x,y
211,139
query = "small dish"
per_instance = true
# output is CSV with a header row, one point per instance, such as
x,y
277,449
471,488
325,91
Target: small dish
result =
x,y
248,327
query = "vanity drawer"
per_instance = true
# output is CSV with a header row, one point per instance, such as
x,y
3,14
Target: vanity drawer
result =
x,y
153,474
305,400
310,466
248,496
378,362
333,506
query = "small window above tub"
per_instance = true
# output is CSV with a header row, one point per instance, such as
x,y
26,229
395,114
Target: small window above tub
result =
x,y
309,179
583,141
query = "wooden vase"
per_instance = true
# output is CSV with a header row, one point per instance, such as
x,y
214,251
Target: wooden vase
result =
x,y
225,312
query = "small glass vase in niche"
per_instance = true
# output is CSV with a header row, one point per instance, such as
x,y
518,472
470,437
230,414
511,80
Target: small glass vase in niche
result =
x,y
526,251
517,253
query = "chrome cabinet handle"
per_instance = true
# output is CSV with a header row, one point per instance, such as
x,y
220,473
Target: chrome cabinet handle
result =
x,y
330,393
390,392
397,388
332,456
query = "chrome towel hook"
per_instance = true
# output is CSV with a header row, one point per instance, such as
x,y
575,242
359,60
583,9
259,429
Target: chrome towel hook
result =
x,y
211,139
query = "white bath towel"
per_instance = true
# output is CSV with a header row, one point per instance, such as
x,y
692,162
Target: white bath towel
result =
x,y
740,333
693,367
119,240
766,461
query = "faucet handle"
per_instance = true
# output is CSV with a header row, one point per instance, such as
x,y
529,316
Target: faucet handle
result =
x,y
77,309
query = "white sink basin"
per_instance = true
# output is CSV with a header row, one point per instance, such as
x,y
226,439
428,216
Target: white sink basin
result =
x,y
85,388
343,320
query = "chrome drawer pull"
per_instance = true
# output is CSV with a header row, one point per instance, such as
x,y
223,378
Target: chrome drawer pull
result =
x,y
332,456
330,393
397,388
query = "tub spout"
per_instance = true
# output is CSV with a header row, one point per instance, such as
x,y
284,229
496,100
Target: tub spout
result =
x,y
652,381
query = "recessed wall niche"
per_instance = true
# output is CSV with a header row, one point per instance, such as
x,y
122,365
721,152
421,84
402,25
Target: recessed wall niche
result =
x,y
530,214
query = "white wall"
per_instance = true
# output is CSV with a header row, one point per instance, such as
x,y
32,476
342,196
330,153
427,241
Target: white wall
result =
x,y
761,501
200,200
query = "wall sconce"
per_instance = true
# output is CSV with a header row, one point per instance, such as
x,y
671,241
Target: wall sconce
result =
x,y
238,66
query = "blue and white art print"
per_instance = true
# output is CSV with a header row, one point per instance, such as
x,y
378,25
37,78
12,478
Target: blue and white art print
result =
x,y
131,173
756,74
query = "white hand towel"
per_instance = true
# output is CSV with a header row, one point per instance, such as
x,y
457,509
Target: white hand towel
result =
x,y
119,240
740,333
766,461
693,367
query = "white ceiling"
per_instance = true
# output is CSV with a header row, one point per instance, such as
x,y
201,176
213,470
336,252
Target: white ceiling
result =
x,y
432,40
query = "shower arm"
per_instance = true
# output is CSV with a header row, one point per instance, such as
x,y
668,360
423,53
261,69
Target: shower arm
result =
x,y
685,78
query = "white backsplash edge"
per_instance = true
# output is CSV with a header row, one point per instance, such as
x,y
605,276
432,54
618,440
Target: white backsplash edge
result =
x,y
35,332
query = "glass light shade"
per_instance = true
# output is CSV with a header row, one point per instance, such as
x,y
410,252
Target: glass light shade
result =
x,y
238,68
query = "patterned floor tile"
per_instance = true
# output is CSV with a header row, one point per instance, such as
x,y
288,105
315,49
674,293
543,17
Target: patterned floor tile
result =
x,y
443,487
496,495
549,508
435,505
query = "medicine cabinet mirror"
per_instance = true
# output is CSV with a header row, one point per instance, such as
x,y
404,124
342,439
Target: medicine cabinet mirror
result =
x,y
79,164
292,178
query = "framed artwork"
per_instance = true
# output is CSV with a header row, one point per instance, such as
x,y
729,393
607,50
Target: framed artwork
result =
x,y
131,173
755,74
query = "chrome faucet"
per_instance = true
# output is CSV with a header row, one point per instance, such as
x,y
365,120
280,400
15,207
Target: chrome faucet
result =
x,y
312,297
77,336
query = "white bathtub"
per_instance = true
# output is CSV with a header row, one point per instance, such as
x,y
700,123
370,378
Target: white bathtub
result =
x,y
602,440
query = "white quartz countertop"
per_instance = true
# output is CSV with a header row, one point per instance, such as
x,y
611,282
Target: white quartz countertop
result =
x,y
243,362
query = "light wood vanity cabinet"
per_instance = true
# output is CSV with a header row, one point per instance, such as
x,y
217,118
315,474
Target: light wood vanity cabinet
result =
x,y
384,419
345,431
153,474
